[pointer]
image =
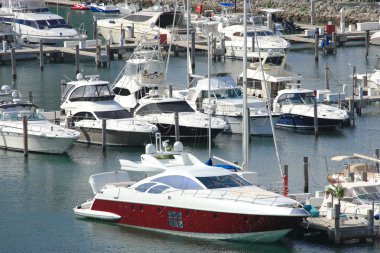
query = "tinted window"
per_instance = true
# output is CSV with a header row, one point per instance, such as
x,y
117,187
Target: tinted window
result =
x,y
121,91
144,187
168,107
120,114
179,182
225,181
158,189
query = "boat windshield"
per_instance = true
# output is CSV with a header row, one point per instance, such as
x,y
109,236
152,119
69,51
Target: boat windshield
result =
x,y
17,112
297,99
120,114
259,33
367,194
226,181
52,23
99,92
225,93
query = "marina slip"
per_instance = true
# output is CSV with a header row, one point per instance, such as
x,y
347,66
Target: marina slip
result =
x,y
40,191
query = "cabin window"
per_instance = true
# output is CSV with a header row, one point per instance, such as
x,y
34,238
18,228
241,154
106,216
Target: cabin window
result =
x,y
167,107
137,18
83,116
225,181
121,91
179,182
144,187
158,189
120,114
166,19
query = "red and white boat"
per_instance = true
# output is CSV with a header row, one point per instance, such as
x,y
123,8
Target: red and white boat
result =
x,y
80,7
179,194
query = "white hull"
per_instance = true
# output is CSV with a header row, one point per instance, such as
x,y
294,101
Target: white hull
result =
x,y
93,214
36,143
375,39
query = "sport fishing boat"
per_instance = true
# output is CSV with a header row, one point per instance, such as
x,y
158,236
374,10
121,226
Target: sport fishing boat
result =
x,y
34,22
88,101
43,136
183,196
142,90
227,98
296,106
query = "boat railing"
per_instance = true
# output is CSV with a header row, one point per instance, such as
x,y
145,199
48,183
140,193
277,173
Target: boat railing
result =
x,y
37,128
236,196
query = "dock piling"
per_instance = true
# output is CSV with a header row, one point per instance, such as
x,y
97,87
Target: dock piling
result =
x,y
327,86
306,174
13,62
366,43
41,55
192,50
286,180
316,49
30,97
95,29
337,238
104,134
176,123
76,59
25,134
377,155
315,118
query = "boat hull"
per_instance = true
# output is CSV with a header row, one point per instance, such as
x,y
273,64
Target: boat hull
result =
x,y
115,138
36,143
303,122
187,132
199,223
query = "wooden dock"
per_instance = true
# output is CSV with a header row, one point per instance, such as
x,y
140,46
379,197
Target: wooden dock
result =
x,y
342,227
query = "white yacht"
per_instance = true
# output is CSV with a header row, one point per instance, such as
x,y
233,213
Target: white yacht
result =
x,y
141,89
168,25
127,7
296,106
34,22
183,196
259,38
227,98
89,100
43,136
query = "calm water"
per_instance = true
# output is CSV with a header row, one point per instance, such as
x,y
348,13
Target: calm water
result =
x,y
39,192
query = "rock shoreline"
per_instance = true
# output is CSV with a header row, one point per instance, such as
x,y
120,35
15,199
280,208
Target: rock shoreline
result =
x,y
299,10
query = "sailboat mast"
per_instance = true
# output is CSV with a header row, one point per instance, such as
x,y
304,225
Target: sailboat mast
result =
x,y
246,115
188,19
209,94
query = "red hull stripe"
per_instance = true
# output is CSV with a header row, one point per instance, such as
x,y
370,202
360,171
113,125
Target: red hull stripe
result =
x,y
193,221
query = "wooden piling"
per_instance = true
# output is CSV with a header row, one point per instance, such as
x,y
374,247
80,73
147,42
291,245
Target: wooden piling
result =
x,y
104,134
108,53
366,43
316,48
13,62
41,56
30,96
371,220
327,86
98,52
337,237
25,134
365,81
312,12
315,118
306,174
170,87
68,18
377,155
192,50
176,124
95,29
286,182
76,59
213,48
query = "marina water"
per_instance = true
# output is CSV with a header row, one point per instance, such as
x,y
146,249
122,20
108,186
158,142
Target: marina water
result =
x,y
39,192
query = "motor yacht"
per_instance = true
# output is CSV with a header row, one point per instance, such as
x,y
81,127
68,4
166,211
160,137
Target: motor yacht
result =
x,y
259,38
88,101
373,81
296,106
167,24
180,195
227,101
42,135
104,8
34,23
142,90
